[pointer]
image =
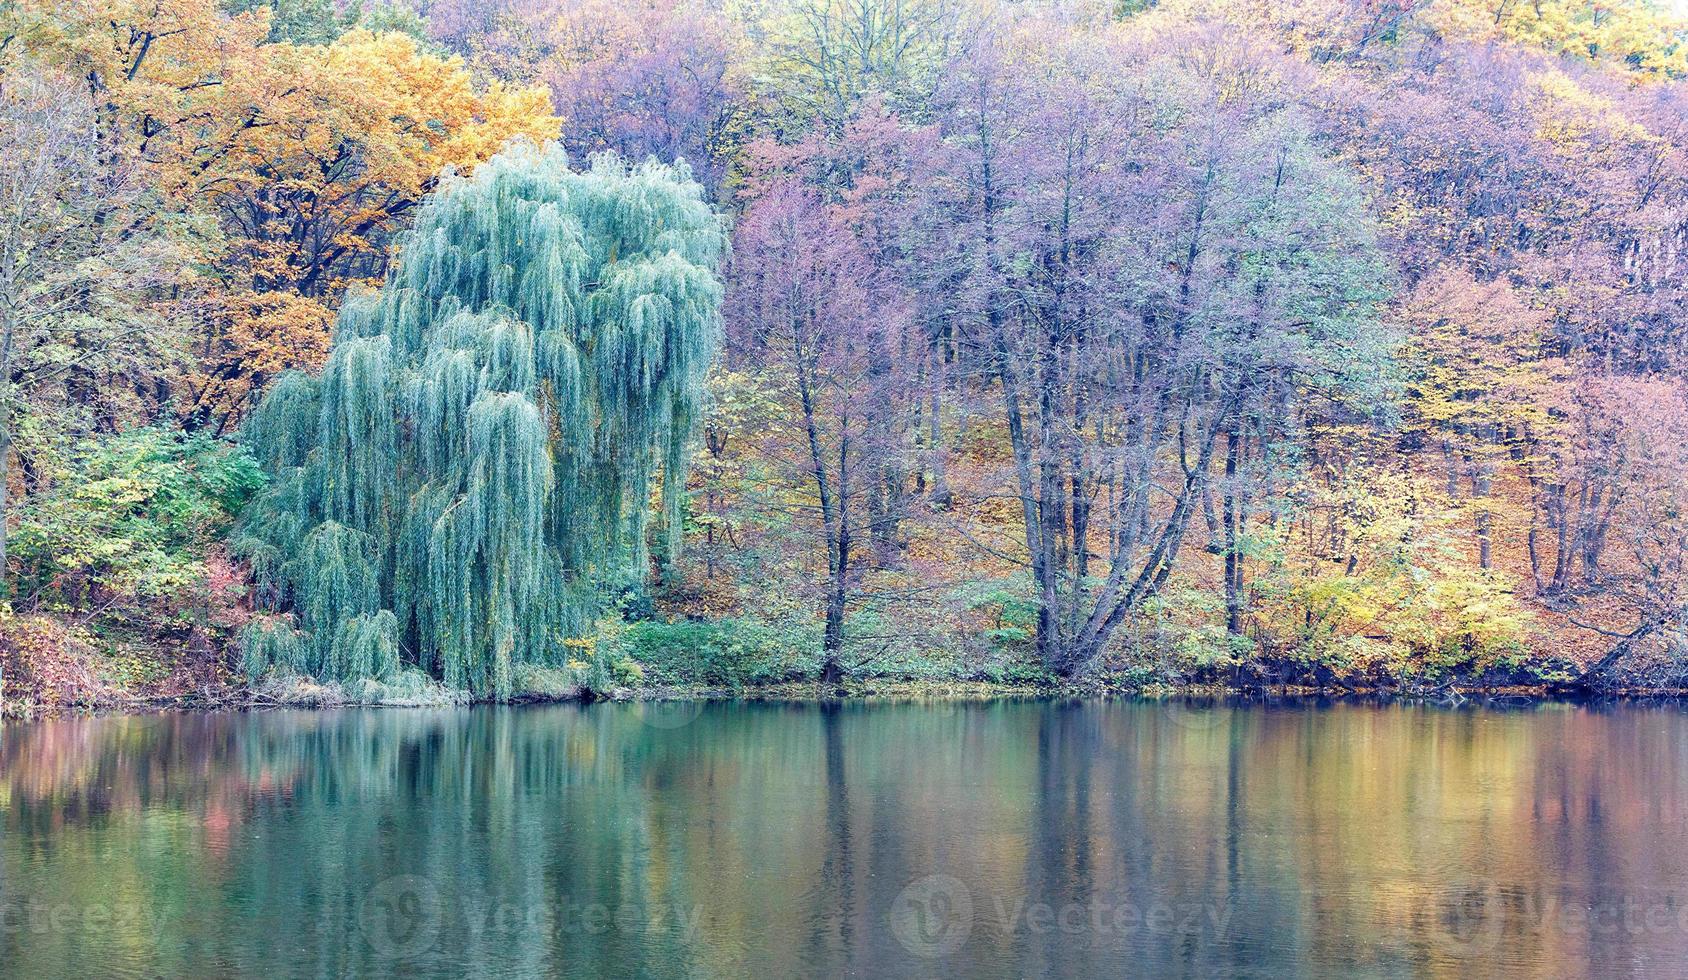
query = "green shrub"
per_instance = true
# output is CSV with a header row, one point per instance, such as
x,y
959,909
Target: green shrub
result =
x,y
545,683
1010,607
128,516
728,652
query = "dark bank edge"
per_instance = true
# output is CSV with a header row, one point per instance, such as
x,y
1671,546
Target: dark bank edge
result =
x,y
1452,694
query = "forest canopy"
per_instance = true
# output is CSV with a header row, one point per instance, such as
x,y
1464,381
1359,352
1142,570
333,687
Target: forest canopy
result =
x,y
1325,342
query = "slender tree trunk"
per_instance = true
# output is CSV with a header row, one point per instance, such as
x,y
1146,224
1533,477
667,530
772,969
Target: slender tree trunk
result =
x,y
832,646
1482,482
834,525
1051,515
921,448
8,334
1117,598
1046,640
884,478
5,481
1596,525
1591,676
1232,522
878,519
1530,538
936,461
1561,522
1080,488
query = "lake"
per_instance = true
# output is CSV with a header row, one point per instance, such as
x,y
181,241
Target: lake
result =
x,y
933,839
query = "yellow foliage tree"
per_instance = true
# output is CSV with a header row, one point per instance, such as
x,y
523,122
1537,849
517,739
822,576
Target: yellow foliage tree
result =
x,y
1646,35
1371,578
1480,386
1649,36
305,159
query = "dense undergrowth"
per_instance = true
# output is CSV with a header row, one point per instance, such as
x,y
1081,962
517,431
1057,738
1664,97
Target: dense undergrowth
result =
x,y
153,612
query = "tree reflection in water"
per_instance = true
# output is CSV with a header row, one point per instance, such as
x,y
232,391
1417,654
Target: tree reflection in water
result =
x,y
1001,839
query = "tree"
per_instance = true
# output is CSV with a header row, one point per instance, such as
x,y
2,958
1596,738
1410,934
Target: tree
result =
x,y
1371,576
474,463
1165,277
1643,425
302,21
1639,35
808,303
80,348
1645,35
1327,30
826,56
304,160
658,79
1536,213
1480,389
831,294
1557,179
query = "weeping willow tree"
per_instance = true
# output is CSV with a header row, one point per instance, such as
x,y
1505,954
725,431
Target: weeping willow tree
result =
x,y
473,469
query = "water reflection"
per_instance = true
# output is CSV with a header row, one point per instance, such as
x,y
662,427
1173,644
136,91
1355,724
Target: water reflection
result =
x,y
988,839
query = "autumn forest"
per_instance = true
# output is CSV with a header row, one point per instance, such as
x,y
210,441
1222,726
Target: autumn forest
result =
x,y
432,350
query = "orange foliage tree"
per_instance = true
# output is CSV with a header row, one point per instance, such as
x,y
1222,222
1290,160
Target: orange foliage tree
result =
x,y
301,161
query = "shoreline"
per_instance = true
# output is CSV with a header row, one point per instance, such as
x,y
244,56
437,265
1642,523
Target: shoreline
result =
x,y
862,691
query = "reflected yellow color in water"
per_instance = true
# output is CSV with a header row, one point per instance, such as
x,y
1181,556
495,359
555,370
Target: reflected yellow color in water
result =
x,y
1006,839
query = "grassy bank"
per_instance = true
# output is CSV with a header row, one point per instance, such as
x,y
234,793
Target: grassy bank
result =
x,y
414,691
53,665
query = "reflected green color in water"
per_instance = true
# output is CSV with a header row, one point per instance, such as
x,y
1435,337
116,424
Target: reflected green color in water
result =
x,y
1006,839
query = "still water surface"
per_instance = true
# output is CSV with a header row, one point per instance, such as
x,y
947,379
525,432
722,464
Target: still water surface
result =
x,y
992,840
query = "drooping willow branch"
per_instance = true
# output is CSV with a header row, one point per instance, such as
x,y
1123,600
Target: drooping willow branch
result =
x,y
473,468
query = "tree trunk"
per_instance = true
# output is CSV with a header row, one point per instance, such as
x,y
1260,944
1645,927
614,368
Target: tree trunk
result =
x,y
1560,521
1233,520
1481,485
940,493
832,645
8,342
1047,642
1591,677
5,485
834,516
